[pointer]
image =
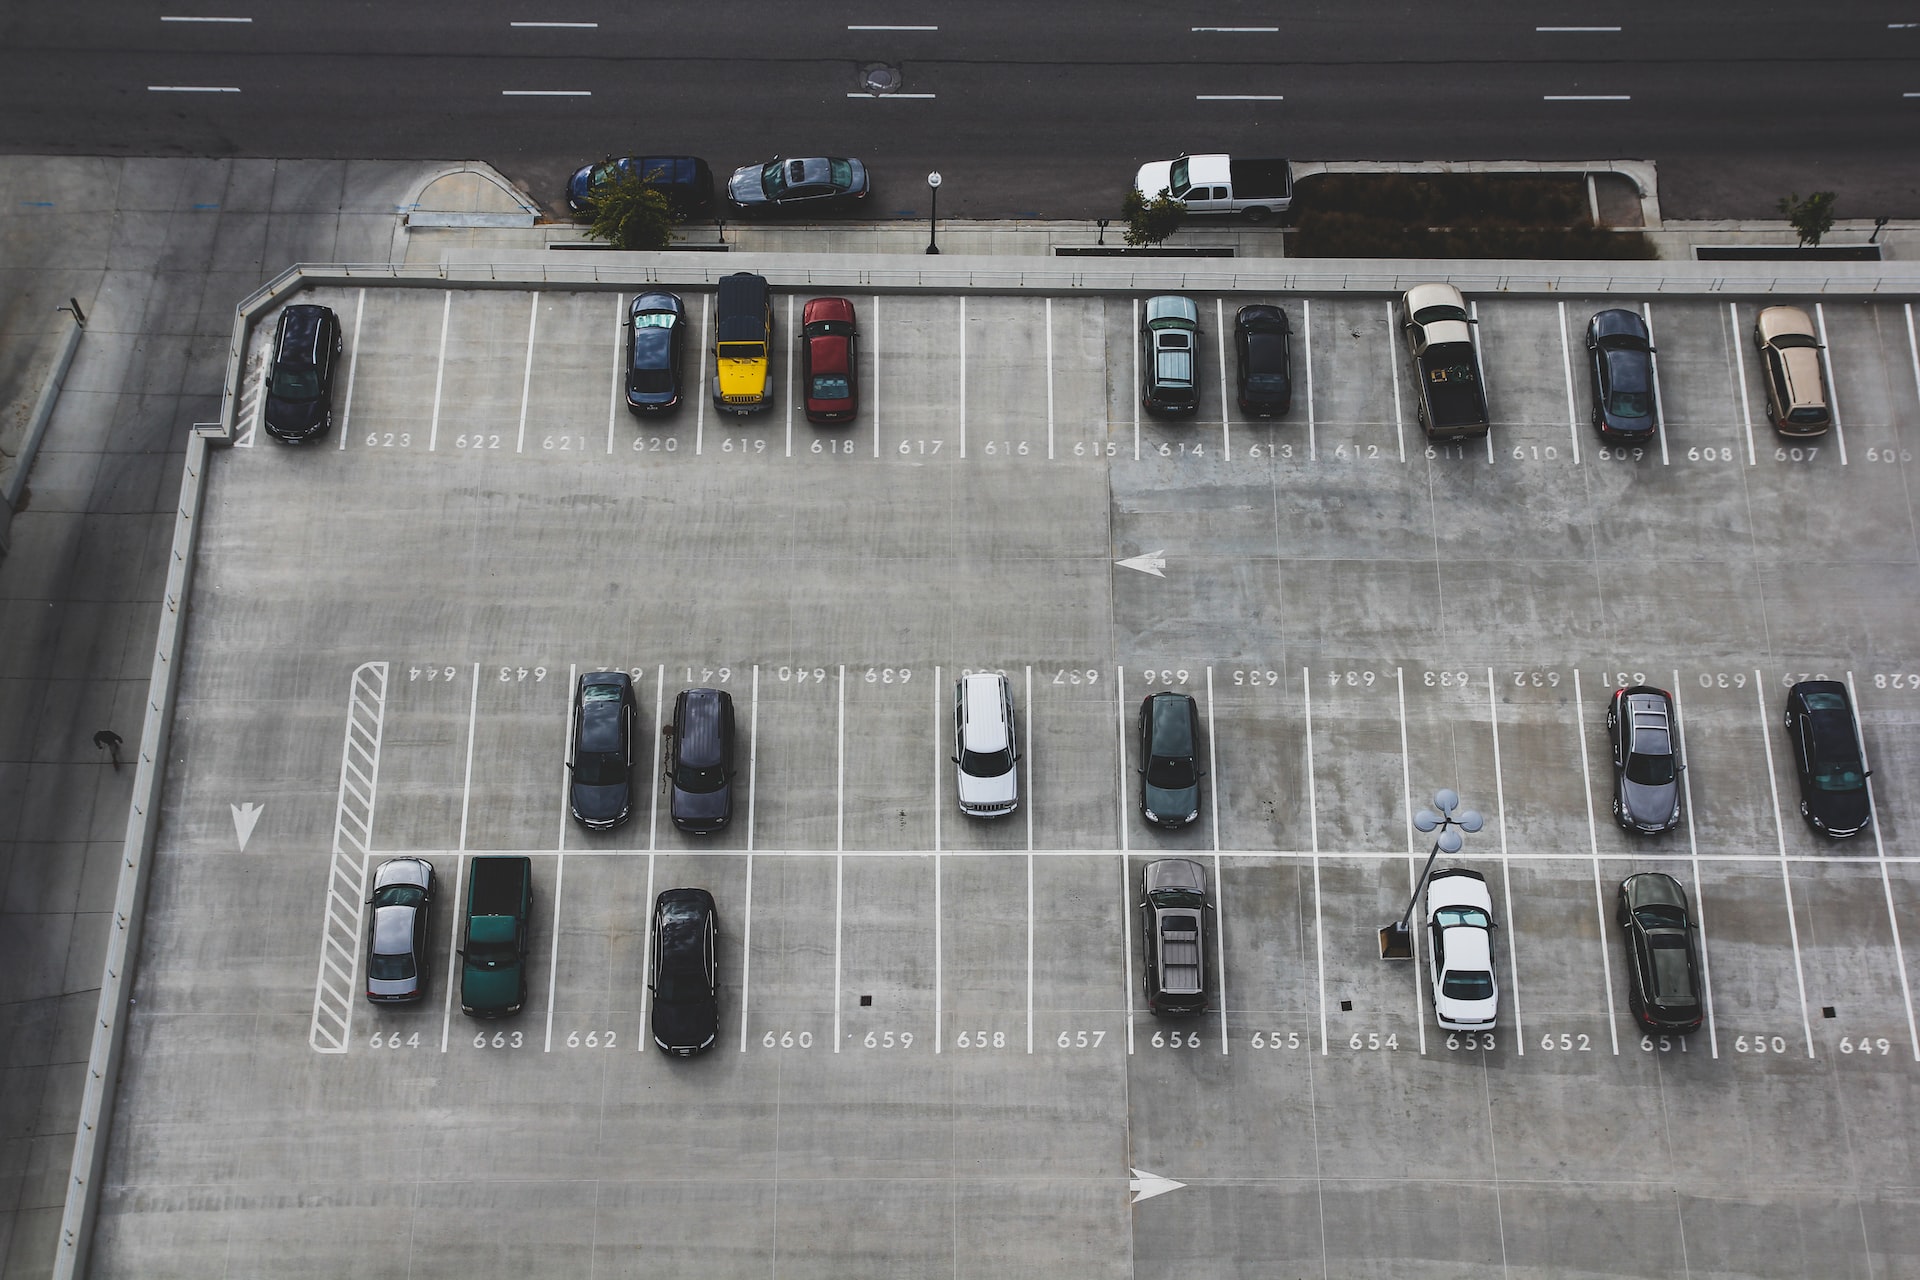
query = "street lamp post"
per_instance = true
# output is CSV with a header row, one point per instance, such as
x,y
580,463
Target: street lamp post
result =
x,y
1396,939
933,209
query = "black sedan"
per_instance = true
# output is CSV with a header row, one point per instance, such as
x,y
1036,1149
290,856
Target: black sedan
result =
x,y
397,950
1169,754
1826,753
686,972
1620,362
1663,961
1263,349
605,712
656,351
1646,759
818,184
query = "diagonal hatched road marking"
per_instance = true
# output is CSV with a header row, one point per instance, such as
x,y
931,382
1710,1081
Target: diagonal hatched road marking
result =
x,y
335,986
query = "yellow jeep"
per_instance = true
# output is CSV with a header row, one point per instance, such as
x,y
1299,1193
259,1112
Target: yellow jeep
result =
x,y
742,344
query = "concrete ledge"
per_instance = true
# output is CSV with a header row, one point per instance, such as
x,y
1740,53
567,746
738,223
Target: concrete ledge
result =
x,y
432,218
24,419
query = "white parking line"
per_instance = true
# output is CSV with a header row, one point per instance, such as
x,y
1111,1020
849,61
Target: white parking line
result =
x,y
1049,378
1913,353
1393,377
839,846
753,792
453,951
1833,388
700,394
1413,852
1659,401
353,360
1480,366
1780,836
1134,342
1693,854
1220,350
526,378
560,846
1740,368
1306,335
440,371
1886,885
1506,870
939,755
1566,365
1029,755
963,375
466,785
619,367
1593,842
1313,827
653,788
1219,881
873,396
1126,889
791,362
641,1037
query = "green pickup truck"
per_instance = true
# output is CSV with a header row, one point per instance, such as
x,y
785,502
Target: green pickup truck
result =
x,y
493,950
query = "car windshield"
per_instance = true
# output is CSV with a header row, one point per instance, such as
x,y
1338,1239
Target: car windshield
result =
x,y
1170,773
1433,315
599,769
295,384
1178,898
987,764
830,386
1473,917
1650,771
774,179
1629,404
390,968
1177,182
701,781
1468,984
654,320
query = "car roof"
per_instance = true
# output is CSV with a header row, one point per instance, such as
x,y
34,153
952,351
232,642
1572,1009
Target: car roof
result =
x,y
743,291
985,729
701,721
393,930
1468,947
1171,724
827,353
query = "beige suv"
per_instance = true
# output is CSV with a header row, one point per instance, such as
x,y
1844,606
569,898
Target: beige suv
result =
x,y
1790,364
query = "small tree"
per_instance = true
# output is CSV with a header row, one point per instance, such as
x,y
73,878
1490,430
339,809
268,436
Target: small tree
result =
x,y
1812,217
630,214
1151,221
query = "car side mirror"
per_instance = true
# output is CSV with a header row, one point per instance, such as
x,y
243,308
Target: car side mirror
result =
x,y
955,759
460,951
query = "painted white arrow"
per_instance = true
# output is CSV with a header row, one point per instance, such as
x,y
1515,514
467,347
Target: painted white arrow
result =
x,y
1152,562
1145,1186
244,816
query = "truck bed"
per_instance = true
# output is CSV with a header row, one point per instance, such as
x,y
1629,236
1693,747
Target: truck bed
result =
x,y
499,886
1450,383
1260,179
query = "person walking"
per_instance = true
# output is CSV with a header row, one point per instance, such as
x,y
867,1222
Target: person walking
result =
x,y
111,741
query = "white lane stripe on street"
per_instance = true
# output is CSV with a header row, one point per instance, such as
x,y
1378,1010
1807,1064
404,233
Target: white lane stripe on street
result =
x,y
1833,391
1740,369
526,378
1413,853
615,391
192,88
1913,350
1238,97
746,931
700,396
453,954
440,371
1506,870
863,94
1593,842
1219,881
1693,855
1576,29
1238,30
567,26
884,26
546,93
1566,365
353,362
1586,97
1313,828
173,18
1886,885
1659,402
1480,369
1780,836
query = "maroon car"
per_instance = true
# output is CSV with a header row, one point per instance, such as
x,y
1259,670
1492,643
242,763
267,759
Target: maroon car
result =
x,y
828,360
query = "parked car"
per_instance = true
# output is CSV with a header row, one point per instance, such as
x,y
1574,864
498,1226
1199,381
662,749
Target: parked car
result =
x,y
686,181
1263,353
656,351
1663,963
306,352
1169,366
605,712
397,948
1646,759
1175,921
829,360
815,184
700,770
1620,365
743,344
1169,754
1827,755
1460,949
1790,366
986,745
1438,327
686,971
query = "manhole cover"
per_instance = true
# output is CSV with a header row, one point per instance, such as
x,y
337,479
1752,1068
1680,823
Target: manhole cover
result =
x,y
878,77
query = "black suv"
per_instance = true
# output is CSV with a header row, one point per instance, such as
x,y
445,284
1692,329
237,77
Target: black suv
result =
x,y
1174,926
1663,964
1169,749
1646,759
605,711
306,351
1263,351
700,760
1826,753
686,971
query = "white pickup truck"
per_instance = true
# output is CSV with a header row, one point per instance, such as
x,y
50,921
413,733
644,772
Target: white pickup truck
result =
x,y
1220,184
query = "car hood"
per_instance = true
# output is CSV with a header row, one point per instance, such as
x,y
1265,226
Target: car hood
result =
x,y
1153,178
691,1025
744,186
601,804
1840,812
1648,806
1003,789
1171,802
702,809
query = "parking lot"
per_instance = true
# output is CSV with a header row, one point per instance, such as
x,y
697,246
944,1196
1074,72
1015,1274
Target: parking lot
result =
x,y
934,1057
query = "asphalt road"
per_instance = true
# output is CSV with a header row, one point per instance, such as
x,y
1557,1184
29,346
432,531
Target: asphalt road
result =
x,y
1027,110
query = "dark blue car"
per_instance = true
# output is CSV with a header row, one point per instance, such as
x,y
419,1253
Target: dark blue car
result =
x,y
686,181
1620,360
656,351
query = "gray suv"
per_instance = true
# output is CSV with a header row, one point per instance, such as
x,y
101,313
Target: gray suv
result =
x,y
1174,927
1646,759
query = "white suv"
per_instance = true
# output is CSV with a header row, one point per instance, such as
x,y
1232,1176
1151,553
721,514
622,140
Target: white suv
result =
x,y
986,745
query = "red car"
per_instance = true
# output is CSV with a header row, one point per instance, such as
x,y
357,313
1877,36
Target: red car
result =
x,y
829,346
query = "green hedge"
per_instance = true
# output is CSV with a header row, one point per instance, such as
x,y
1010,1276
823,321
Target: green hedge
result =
x,y
1450,215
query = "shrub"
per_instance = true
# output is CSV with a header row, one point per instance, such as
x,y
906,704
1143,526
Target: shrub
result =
x,y
629,214
1151,221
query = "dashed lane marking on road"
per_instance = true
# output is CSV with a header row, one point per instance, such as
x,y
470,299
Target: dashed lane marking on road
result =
x,y
335,985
